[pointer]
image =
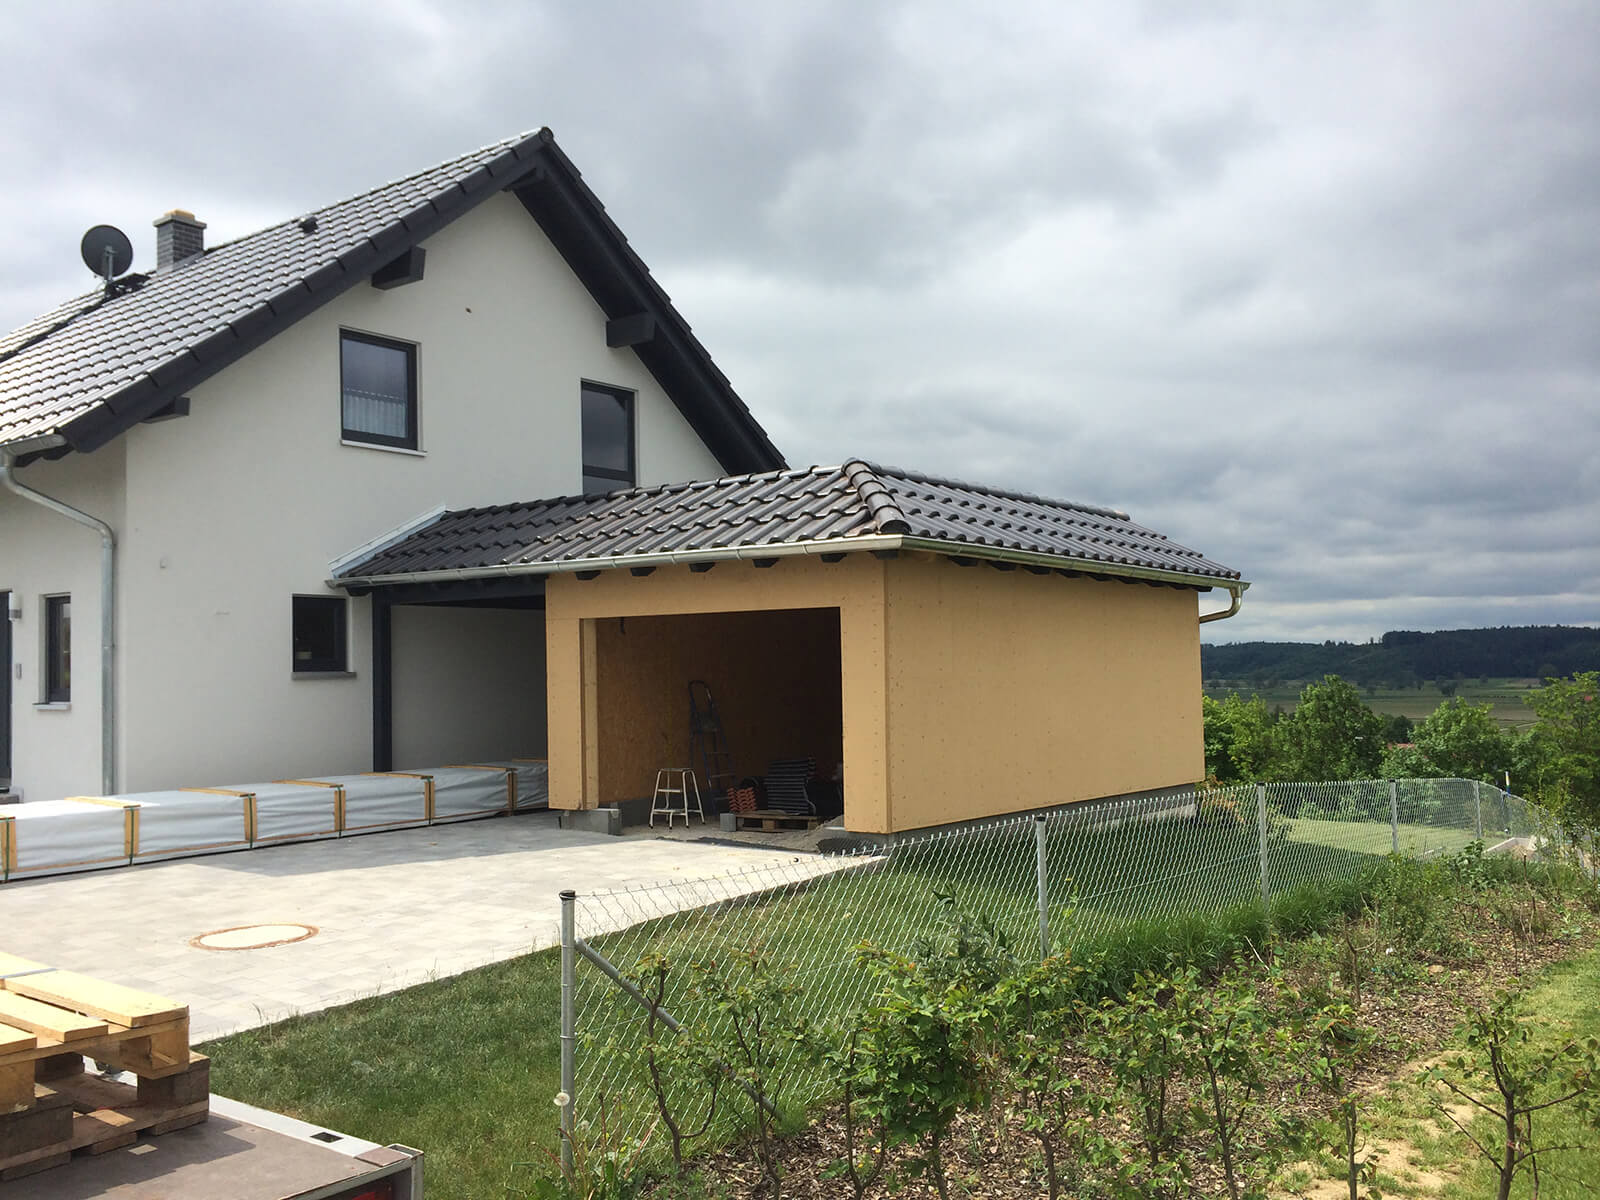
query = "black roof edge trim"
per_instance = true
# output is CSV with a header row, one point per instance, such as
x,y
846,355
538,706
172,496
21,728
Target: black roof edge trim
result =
x,y
731,433
738,440
118,413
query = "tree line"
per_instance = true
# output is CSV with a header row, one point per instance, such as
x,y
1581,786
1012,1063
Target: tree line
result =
x,y
1332,734
1405,658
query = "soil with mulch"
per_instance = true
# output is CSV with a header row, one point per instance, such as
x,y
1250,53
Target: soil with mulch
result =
x,y
1414,1011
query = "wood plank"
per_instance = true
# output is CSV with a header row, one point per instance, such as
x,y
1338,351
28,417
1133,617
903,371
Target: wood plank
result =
x,y
16,1087
168,1033
38,1017
160,1054
11,963
89,1092
97,998
12,1038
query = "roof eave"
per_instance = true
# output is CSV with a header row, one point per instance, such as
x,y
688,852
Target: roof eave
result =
x,y
657,558
860,544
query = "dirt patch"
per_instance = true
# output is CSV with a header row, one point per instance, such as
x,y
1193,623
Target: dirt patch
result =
x,y
1395,1158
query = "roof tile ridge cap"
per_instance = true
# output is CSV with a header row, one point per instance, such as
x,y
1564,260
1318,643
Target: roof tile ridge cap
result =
x,y
1001,493
516,141
879,500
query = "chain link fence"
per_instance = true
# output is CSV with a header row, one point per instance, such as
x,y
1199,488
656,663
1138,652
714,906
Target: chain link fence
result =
x,y
1065,879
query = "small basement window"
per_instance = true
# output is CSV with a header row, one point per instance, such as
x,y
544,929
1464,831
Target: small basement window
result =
x,y
607,439
57,649
378,390
319,633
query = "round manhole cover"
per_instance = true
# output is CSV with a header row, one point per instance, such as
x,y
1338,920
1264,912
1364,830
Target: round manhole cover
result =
x,y
253,937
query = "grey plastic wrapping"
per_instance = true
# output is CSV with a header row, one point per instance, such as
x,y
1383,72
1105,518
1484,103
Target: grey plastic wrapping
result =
x,y
53,836
288,811
373,802
461,793
533,780
175,824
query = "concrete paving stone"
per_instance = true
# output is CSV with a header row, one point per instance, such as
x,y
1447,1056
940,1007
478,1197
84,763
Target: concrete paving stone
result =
x,y
392,909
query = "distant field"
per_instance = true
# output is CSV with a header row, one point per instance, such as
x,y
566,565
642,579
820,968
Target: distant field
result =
x,y
1505,696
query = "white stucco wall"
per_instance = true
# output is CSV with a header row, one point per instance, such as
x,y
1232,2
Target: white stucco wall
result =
x,y
468,684
235,508
55,750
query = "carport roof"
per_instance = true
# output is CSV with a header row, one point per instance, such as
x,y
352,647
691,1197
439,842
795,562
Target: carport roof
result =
x,y
853,506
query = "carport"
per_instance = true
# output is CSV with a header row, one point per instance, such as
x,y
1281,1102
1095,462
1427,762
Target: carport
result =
x,y
964,651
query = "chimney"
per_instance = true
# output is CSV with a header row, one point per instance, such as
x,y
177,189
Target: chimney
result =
x,y
178,237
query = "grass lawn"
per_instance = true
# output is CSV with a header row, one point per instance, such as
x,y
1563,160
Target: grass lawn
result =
x,y
467,1068
464,1068
1563,1003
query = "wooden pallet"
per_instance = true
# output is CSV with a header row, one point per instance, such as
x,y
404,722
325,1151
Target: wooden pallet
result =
x,y
50,1108
771,820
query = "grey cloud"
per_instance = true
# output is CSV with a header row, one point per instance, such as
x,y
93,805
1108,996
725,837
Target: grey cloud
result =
x,y
1309,289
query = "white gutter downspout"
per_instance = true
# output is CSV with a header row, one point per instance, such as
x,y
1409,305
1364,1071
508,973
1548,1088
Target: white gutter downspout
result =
x,y
108,598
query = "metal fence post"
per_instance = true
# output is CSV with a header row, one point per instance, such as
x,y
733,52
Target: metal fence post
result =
x,y
569,1023
1042,878
1261,829
1394,816
1477,804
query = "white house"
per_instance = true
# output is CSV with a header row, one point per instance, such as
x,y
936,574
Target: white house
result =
x,y
202,443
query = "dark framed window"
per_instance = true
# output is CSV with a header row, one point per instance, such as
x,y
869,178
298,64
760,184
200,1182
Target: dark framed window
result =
x,y
608,461
378,390
320,624
57,649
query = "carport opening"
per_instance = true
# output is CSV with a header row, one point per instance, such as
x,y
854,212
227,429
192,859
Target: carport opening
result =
x,y
468,681
775,676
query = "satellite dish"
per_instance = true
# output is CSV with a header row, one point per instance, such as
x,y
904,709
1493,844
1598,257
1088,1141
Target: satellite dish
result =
x,y
107,251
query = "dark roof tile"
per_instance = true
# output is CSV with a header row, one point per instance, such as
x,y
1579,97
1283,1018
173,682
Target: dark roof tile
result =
x,y
823,504
171,329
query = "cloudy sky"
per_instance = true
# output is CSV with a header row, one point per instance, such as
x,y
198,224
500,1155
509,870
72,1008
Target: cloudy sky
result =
x,y
1314,288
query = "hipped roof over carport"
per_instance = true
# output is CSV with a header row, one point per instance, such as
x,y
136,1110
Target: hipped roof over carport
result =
x,y
826,511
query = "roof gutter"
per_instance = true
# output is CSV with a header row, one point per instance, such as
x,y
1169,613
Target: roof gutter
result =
x,y
108,597
1087,566
878,542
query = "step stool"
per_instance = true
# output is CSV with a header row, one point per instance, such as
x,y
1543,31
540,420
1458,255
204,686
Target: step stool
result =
x,y
674,787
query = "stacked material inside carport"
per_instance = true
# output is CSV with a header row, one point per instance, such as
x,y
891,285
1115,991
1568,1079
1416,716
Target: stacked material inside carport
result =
x,y
90,832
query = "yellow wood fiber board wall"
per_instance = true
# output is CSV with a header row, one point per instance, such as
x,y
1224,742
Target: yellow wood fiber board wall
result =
x,y
964,692
1009,691
576,612
775,676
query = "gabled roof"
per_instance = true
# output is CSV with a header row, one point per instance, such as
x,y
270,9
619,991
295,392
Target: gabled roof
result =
x,y
854,506
101,362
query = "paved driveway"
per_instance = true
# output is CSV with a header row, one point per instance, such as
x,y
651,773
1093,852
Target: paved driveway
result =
x,y
391,910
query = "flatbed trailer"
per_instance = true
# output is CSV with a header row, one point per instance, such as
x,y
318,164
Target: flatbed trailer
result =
x,y
240,1153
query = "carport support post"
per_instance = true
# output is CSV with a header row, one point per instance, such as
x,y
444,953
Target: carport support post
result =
x,y
1477,805
1394,816
1261,832
1042,878
569,1024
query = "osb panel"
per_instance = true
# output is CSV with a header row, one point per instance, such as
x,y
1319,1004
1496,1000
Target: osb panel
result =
x,y
775,676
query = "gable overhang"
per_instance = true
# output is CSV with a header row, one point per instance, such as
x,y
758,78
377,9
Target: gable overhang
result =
x,y
641,316
568,213
881,544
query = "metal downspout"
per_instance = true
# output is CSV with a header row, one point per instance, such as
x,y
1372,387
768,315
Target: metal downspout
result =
x,y
1224,614
108,614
